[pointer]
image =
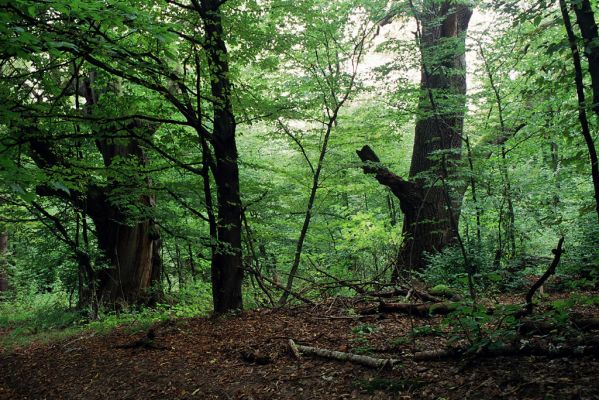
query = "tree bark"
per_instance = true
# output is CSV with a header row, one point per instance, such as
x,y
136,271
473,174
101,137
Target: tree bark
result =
x,y
130,247
590,35
342,356
439,128
589,31
227,263
427,226
130,241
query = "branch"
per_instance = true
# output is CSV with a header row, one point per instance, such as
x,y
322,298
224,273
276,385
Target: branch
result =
x,y
550,271
407,192
341,356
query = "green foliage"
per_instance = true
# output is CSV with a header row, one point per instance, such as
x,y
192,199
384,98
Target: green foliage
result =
x,y
364,329
360,343
480,328
441,290
290,64
33,316
449,266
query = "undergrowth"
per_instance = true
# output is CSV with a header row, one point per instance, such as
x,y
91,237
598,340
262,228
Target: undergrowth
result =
x,y
45,317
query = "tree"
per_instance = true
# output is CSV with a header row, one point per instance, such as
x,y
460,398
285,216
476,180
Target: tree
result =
x,y
588,28
109,45
590,35
430,212
119,207
334,68
227,266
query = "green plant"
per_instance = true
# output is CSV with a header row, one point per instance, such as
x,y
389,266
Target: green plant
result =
x,y
364,329
425,330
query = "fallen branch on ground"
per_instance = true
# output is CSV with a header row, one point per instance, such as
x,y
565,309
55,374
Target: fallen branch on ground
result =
x,y
544,327
420,310
341,356
403,292
511,350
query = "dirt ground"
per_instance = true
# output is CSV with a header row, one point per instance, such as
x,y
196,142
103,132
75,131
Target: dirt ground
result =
x,y
247,356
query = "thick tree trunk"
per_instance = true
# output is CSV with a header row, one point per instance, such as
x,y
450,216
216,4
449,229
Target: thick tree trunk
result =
x,y
94,201
129,240
429,221
439,128
131,249
227,265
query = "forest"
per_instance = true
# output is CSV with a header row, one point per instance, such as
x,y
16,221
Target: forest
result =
x,y
307,199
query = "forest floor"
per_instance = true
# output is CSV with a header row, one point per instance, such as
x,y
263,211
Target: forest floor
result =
x,y
247,356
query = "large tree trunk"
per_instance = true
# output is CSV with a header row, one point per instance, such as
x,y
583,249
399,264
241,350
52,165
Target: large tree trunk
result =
x,y
227,266
129,239
439,127
430,215
131,248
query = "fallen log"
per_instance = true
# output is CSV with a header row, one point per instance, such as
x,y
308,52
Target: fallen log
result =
x,y
419,310
528,327
586,324
404,292
342,356
510,350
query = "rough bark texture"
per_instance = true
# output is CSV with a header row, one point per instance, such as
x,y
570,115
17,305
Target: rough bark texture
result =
x,y
129,242
439,127
588,27
227,265
367,361
131,248
427,221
